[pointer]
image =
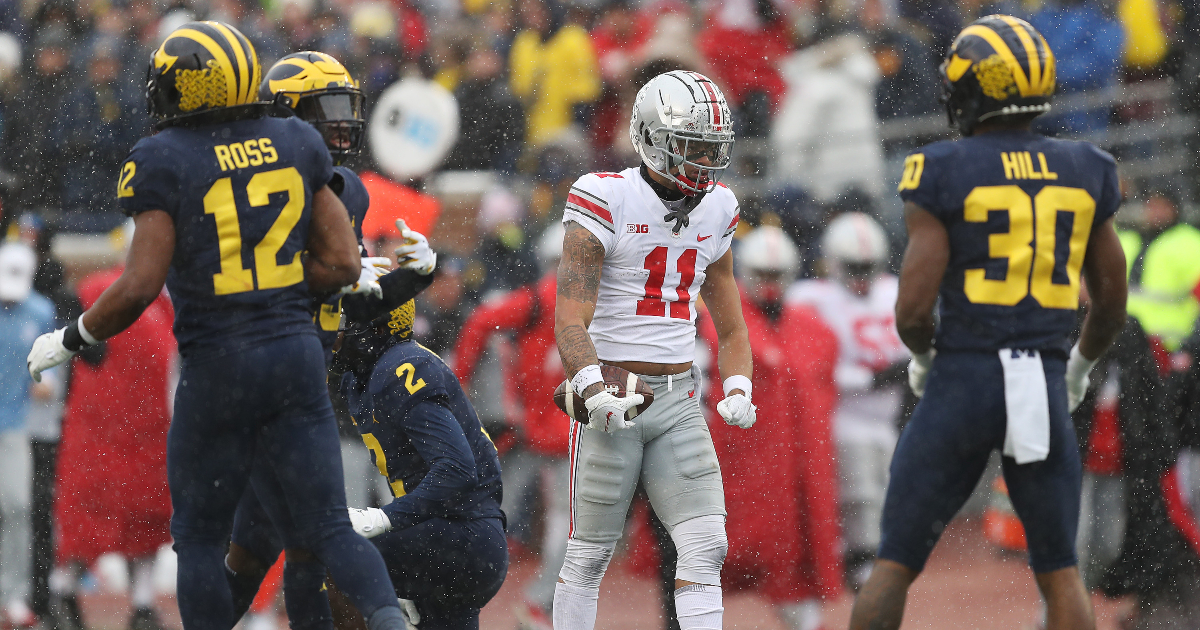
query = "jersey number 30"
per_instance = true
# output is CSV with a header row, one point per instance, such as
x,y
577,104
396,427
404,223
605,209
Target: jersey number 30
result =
x,y
219,202
1030,267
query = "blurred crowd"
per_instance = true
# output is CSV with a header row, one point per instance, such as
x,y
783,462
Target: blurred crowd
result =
x,y
544,90
544,86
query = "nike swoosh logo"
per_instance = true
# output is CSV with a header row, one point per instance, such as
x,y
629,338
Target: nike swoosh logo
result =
x,y
700,239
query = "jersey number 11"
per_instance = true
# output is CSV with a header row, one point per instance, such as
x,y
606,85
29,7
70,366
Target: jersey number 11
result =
x,y
653,304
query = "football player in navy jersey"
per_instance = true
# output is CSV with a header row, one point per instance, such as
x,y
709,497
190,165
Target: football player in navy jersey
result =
x,y
322,92
443,535
1002,226
228,199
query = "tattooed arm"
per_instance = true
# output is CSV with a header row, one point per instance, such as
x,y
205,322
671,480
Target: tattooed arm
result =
x,y
578,287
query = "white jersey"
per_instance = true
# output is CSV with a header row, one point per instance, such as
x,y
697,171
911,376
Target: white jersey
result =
x,y
867,343
646,309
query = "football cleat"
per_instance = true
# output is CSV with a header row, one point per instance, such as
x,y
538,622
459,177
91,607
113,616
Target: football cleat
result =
x,y
998,66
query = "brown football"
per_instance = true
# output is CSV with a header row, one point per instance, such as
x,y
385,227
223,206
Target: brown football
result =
x,y
618,381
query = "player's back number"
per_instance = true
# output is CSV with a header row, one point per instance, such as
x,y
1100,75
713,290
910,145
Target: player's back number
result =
x,y
1029,246
234,277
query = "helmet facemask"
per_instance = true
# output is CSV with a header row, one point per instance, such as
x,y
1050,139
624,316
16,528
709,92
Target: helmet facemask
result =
x,y
363,343
694,162
767,288
856,276
338,114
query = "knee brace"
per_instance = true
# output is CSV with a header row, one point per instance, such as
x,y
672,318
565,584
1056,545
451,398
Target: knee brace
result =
x,y
586,563
701,545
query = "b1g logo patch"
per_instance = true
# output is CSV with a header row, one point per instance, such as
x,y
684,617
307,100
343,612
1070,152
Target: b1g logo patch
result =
x,y
634,228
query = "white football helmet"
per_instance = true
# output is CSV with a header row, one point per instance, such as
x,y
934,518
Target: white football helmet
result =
x,y
678,118
855,238
854,247
768,250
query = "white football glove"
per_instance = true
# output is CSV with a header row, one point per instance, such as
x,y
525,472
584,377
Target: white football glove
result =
x,y
1078,369
370,522
415,253
48,351
918,371
408,608
607,412
738,411
372,268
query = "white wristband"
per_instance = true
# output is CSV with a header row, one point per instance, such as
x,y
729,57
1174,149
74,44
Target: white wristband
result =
x,y
925,359
737,381
585,378
87,336
1078,365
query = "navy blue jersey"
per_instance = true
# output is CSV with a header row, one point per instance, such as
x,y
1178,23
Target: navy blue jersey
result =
x,y
1019,209
425,438
240,194
349,188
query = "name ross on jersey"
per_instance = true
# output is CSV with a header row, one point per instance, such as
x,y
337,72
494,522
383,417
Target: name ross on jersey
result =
x,y
237,155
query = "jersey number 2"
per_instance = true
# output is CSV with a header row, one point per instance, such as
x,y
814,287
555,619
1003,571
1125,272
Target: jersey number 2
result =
x,y
219,202
656,263
411,371
1030,268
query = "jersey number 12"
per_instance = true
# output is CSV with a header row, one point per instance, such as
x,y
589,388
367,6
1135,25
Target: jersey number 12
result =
x,y
219,202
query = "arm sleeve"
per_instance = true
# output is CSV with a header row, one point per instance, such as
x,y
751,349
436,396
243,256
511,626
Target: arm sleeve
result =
x,y
148,181
507,313
399,286
588,205
439,439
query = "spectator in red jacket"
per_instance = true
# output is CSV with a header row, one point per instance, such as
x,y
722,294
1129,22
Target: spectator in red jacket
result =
x,y
781,485
743,44
528,312
112,471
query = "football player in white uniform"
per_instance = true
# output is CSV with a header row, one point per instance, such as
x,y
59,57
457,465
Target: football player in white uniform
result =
x,y
857,301
640,246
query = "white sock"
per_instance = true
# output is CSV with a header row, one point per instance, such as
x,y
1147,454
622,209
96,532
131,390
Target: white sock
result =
x,y
698,607
801,615
141,578
575,607
64,579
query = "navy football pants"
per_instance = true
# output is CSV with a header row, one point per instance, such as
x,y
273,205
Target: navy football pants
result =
x,y
945,447
268,401
303,581
449,567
